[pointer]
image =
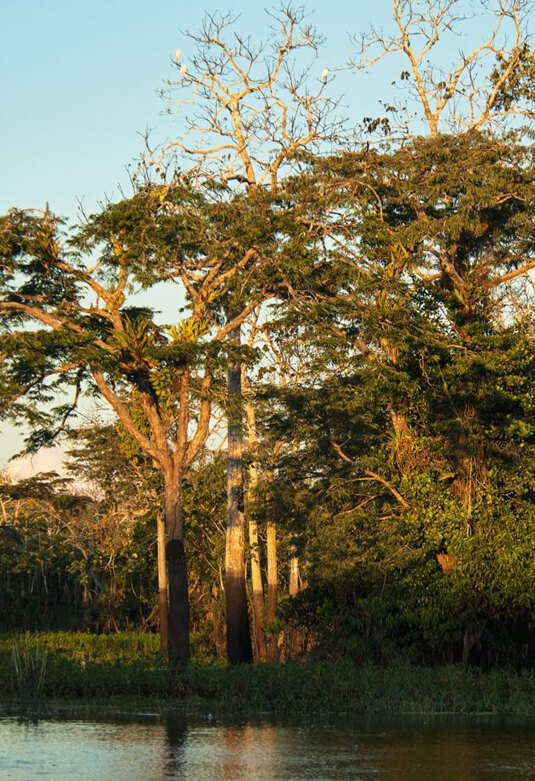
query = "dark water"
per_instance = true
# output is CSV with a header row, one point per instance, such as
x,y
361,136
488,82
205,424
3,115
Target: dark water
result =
x,y
404,749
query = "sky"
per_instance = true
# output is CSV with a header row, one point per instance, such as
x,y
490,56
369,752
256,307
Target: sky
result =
x,y
79,83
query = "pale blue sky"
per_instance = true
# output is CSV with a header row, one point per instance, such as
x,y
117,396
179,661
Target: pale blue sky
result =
x,y
79,81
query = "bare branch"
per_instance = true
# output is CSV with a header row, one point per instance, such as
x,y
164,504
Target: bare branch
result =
x,y
252,108
467,95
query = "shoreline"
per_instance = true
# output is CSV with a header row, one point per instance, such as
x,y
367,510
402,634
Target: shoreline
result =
x,y
128,709
85,673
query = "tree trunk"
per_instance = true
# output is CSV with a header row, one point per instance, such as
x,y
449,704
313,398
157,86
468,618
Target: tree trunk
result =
x,y
271,611
258,591
256,570
239,648
293,567
406,459
179,650
162,586
86,601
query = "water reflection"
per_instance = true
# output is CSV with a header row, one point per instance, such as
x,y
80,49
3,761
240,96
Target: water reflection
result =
x,y
403,749
176,731
469,753
235,754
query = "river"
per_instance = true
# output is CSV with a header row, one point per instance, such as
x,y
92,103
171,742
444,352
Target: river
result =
x,y
151,747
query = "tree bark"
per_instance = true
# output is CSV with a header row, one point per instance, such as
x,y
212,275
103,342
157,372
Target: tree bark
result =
x,y
271,609
162,586
239,648
258,591
256,570
293,567
179,649
406,460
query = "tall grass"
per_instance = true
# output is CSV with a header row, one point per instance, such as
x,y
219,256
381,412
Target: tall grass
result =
x,y
86,668
28,668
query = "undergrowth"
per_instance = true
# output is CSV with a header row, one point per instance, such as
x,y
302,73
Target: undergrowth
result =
x,y
81,666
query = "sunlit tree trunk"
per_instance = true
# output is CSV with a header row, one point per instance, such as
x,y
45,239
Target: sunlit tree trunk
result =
x,y
256,570
258,591
272,586
293,567
162,585
239,648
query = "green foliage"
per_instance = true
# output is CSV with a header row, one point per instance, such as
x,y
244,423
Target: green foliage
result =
x,y
87,668
408,430
72,560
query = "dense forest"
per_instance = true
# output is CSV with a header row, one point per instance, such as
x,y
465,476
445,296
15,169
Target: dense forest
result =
x,y
329,451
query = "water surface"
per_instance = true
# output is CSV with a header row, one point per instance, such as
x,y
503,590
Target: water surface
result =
x,y
152,748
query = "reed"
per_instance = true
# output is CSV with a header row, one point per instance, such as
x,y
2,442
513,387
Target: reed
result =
x,y
28,670
83,668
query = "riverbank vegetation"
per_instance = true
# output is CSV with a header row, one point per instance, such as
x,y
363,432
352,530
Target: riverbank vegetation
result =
x,y
326,454
126,671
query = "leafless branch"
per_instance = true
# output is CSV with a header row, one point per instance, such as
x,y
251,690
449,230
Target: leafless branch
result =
x,y
467,95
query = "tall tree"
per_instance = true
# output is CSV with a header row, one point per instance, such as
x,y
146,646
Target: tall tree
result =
x,y
253,112
90,340
416,333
